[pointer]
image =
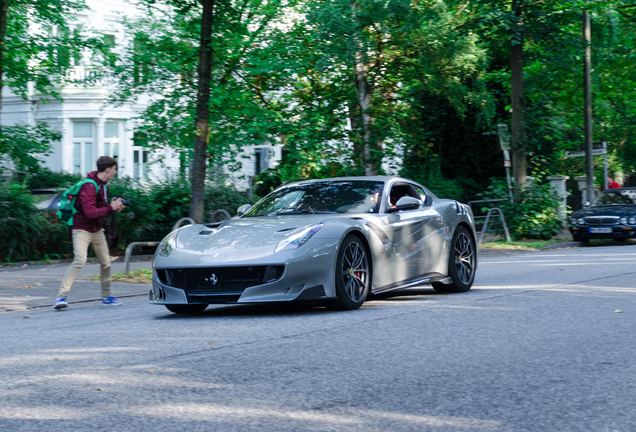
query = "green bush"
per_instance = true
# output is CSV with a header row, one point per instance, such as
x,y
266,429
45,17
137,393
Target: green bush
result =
x,y
267,181
134,223
445,188
533,214
44,178
172,202
25,233
227,198
154,210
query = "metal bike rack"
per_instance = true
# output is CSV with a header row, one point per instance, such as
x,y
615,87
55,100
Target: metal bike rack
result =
x,y
131,246
503,222
220,215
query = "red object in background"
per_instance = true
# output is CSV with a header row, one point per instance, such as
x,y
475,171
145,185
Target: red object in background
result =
x,y
612,184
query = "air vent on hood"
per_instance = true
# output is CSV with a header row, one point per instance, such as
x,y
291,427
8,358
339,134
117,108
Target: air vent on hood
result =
x,y
206,232
213,224
286,229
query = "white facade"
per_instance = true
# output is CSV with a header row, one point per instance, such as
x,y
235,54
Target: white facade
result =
x,y
91,127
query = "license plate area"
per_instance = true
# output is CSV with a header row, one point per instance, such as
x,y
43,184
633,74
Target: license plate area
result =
x,y
600,230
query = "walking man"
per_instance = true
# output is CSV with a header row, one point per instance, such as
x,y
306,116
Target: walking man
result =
x,y
92,206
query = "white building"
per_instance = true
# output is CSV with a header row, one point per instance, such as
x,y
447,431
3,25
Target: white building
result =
x,y
90,127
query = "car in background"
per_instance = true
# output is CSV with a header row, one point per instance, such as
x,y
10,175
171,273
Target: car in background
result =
x,y
612,215
47,199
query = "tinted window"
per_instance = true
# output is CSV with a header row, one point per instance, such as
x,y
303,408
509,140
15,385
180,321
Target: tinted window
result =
x,y
401,190
616,198
356,196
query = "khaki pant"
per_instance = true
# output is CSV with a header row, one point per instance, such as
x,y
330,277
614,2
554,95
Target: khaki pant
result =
x,y
81,240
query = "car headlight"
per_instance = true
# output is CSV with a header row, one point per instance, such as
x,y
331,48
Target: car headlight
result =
x,y
580,221
298,238
632,220
167,245
573,221
624,220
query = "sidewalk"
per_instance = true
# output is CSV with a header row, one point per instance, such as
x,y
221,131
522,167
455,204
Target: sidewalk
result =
x,y
28,286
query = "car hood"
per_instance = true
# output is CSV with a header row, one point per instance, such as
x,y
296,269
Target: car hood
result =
x,y
611,210
256,235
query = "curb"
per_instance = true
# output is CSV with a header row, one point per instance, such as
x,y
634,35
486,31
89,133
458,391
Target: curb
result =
x,y
90,260
73,302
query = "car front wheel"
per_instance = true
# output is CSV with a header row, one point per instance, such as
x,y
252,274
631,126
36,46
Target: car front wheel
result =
x,y
353,275
462,263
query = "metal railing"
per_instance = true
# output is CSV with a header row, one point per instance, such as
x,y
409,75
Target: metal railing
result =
x,y
133,245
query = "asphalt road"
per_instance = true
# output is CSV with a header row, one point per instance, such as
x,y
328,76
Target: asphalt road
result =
x,y
544,342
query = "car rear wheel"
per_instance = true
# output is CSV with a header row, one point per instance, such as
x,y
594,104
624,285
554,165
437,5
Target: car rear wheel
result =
x,y
183,309
353,275
462,263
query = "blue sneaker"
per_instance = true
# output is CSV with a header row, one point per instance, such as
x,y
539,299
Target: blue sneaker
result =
x,y
60,303
111,301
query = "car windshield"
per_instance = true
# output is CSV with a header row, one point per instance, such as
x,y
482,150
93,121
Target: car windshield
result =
x,y
346,196
616,198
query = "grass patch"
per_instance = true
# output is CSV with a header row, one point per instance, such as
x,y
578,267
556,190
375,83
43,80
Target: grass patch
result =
x,y
140,276
528,245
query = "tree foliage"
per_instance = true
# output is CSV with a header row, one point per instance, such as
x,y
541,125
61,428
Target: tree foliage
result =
x,y
348,87
352,87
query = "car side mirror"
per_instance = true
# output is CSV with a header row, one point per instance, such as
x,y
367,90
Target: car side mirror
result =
x,y
406,203
243,209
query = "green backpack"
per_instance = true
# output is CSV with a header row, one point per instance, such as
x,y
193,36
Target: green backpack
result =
x,y
66,207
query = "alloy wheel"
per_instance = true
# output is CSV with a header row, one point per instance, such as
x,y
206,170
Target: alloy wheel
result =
x,y
355,271
464,258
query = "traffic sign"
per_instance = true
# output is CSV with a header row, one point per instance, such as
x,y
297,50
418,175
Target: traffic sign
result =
x,y
595,152
504,136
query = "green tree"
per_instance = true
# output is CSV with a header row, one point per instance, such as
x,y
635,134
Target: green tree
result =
x,y
171,58
37,41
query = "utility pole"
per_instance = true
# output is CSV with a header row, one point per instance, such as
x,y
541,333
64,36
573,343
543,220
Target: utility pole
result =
x,y
587,72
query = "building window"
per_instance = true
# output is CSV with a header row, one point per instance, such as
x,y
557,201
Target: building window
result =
x,y
112,138
261,159
140,163
62,52
83,143
108,41
141,68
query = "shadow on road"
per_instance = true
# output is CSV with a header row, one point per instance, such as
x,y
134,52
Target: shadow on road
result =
x,y
297,309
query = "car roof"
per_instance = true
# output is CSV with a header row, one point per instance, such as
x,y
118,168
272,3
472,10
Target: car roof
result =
x,y
351,178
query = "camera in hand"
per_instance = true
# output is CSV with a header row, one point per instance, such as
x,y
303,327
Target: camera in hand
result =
x,y
124,201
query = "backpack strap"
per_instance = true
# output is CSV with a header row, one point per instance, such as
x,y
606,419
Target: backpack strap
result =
x,y
90,180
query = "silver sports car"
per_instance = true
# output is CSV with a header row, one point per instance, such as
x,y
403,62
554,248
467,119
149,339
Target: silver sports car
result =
x,y
335,241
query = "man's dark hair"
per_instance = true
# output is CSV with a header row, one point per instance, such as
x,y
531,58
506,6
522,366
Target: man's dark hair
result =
x,y
105,162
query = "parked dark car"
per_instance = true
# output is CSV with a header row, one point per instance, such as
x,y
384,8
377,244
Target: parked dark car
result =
x,y
613,215
46,200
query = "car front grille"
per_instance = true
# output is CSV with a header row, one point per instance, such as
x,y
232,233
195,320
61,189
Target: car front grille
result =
x,y
601,220
219,280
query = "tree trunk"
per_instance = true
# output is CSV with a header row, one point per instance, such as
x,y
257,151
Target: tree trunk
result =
x,y
200,159
358,151
4,13
518,136
364,93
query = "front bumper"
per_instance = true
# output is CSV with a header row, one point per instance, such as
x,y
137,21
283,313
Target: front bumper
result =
x,y
617,232
307,277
